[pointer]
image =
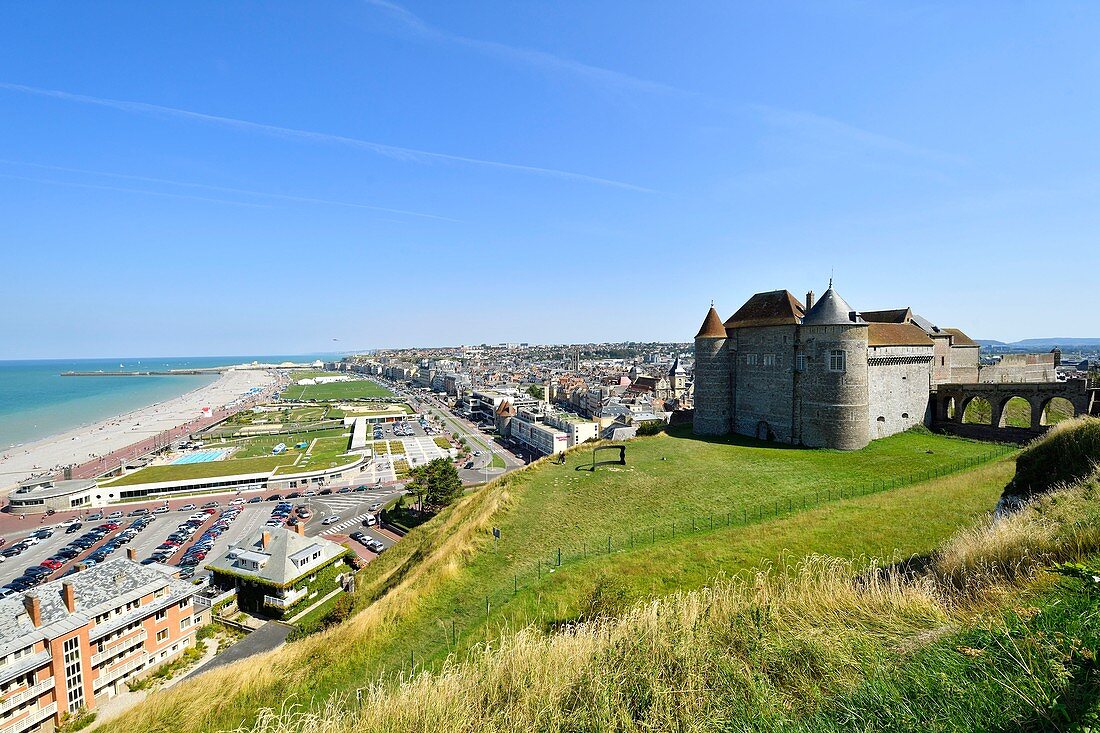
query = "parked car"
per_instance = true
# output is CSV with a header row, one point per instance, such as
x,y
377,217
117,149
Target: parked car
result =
x,y
72,528
331,519
115,515
188,508
255,500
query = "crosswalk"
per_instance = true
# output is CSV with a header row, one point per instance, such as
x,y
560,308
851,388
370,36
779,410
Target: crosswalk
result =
x,y
339,504
334,529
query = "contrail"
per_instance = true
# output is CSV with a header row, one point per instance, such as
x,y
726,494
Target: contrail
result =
x,y
225,189
391,151
133,190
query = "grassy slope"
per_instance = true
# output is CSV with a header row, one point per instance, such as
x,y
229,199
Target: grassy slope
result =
x,y
982,638
440,572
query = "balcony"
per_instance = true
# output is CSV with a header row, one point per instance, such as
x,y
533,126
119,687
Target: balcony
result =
x,y
106,677
13,701
32,720
119,645
285,602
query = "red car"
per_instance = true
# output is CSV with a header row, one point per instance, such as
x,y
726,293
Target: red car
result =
x,y
51,564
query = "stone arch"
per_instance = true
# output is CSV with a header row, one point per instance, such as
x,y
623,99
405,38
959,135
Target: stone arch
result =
x,y
764,431
976,410
1056,409
949,408
1015,413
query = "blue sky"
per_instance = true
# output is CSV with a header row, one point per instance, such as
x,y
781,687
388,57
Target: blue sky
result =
x,y
208,178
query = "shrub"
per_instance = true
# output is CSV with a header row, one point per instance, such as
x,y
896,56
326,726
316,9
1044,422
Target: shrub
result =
x,y
1067,453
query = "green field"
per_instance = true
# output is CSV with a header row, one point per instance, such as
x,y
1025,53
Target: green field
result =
x,y
751,503
336,391
210,469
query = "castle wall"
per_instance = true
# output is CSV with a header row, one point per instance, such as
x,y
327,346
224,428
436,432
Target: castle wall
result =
x,y
712,387
833,409
941,359
1020,368
897,388
964,365
763,392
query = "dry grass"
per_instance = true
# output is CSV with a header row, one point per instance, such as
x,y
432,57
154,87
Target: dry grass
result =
x,y
775,644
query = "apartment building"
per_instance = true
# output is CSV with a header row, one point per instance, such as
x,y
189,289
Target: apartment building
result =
x,y
72,643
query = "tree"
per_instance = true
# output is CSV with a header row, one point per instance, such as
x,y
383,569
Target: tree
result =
x,y
436,483
536,391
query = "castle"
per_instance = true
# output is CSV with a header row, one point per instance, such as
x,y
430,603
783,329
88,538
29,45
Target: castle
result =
x,y
821,374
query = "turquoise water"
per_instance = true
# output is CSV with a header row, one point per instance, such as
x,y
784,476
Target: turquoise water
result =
x,y
35,401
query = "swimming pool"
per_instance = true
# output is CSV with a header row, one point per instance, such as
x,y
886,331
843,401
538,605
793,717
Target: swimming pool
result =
x,y
201,457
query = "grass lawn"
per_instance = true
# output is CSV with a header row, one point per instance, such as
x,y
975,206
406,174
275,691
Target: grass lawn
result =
x,y
445,570
210,469
497,462
442,442
261,446
336,391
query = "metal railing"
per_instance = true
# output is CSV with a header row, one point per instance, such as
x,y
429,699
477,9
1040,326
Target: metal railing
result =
x,y
114,648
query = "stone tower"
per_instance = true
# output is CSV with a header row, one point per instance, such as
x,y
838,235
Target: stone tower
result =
x,y
832,394
713,378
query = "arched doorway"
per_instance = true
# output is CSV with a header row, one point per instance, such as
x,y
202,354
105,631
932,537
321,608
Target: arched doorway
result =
x,y
949,408
1016,413
977,411
1055,410
880,426
764,431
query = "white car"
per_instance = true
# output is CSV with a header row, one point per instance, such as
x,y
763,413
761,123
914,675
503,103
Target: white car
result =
x,y
200,516
331,520
188,508
115,515
236,502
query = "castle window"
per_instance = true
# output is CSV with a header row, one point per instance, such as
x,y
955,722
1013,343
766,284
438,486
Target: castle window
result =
x,y
837,361
769,360
800,362
752,359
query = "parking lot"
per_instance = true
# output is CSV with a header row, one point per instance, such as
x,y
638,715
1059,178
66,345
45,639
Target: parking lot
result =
x,y
348,505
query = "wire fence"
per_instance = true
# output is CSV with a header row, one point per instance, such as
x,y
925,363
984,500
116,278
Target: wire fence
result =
x,y
479,608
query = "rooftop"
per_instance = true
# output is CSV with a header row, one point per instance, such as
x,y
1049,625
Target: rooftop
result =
x,y
97,589
280,558
896,334
774,308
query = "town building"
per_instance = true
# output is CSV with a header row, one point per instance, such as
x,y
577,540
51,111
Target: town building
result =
x,y
72,643
43,494
821,374
276,571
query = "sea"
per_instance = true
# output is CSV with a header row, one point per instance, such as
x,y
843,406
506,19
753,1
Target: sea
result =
x,y
37,402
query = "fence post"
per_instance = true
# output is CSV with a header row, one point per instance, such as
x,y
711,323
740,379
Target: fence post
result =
x,y
454,637
693,524
609,544
559,557
515,584
674,529
486,607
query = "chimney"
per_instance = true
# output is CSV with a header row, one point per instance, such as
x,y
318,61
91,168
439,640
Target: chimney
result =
x,y
131,554
809,301
300,527
265,539
34,609
68,595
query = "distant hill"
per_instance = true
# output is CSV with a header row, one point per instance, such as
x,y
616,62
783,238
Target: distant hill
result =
x,y
1041,343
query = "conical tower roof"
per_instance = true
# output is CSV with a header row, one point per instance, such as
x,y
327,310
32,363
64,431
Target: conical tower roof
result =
x,y
712,327
678,368
831,310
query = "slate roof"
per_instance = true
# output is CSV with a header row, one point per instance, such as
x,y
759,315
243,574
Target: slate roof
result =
x,y
896,334
712,327
276,568
831,310
97,589
774,308
896,315
958,338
